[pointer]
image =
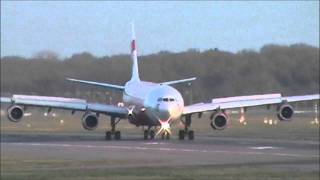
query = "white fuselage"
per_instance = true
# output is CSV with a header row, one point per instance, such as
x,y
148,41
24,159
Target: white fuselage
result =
x,y
152,102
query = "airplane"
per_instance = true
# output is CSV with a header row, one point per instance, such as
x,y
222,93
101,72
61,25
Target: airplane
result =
x,y
151,105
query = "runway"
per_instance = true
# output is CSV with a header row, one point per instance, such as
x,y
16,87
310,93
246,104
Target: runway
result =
x,y
93,152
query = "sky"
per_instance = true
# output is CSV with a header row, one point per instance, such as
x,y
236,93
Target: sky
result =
x,y
103,28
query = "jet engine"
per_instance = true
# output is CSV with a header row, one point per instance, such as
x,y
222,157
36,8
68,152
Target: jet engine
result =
x,y
219,120
285,112
89,121
15,113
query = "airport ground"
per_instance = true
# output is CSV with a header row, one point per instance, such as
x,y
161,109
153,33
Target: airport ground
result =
x,y
47,147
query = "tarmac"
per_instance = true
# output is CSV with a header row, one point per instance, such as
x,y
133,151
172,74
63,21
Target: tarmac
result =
x,y
135,152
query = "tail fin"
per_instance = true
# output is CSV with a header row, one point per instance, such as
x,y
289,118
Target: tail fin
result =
x,y
135,69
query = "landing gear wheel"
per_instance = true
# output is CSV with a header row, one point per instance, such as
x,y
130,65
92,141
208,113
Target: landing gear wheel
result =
x,y
167,136
113,132
152,134
181,134
117,135
186,131
108,135
191,135
145,134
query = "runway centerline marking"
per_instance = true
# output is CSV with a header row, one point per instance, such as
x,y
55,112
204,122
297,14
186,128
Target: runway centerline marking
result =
x,y
263,147
160,149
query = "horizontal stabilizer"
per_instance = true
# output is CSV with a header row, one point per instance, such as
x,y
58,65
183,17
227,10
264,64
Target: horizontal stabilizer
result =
x,y
179,81
98,84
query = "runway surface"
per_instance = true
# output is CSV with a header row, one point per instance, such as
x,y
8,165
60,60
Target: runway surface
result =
x,y
134,152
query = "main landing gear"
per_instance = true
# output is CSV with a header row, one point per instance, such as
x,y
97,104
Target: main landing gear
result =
x,y
113,132
148,133
186,132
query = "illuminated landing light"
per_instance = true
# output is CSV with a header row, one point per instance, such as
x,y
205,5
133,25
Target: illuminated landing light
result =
x,y
315,122
27,114
275,122
45,114
130,110
270,122
242,118
61,121
265,120
54,115
165,127
120,104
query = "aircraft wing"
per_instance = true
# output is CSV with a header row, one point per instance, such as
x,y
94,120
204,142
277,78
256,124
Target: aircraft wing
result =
x,y
65,103
245,101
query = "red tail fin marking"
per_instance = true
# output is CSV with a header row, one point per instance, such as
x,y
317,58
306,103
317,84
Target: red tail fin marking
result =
x,y
133,45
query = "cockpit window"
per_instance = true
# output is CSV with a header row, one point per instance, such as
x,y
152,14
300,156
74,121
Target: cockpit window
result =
x,y
166,99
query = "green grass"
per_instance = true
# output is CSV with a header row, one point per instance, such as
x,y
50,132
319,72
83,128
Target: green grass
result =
x,y
183,173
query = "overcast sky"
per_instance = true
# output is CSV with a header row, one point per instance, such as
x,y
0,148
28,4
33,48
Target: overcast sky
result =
x,y
103,28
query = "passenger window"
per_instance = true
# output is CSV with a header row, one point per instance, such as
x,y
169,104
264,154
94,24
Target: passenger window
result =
x,y
171,99
165,99
159,99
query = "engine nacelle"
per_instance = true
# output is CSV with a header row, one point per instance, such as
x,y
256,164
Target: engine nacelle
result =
x,y
219,120
285,112
15,113
89,121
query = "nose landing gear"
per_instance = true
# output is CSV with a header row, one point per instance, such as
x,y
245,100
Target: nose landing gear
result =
x,y
164,130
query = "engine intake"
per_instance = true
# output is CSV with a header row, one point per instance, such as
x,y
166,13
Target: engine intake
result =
x,y
285,112
15,113
89,121
219,120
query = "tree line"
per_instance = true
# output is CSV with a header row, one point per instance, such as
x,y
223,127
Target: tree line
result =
x,y
291,70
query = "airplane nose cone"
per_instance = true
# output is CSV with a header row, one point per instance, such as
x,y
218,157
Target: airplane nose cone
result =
x,y
163,111
167,111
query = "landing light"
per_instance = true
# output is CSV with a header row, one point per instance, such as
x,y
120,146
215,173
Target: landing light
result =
x,y
270,122
165,127
120,104
242,119
27,114
315,122
265,120
45,114
61,121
